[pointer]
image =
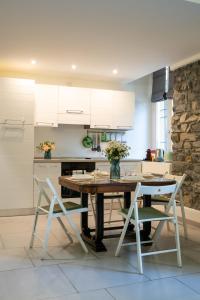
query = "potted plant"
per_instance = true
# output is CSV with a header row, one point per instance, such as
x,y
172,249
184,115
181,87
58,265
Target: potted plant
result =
x,y
114,152
46,146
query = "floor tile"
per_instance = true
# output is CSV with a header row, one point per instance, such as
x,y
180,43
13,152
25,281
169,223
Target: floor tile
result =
x,y
58,255
101,273
34,283
165,265
165,289
92,295
22,239
192,281
14,259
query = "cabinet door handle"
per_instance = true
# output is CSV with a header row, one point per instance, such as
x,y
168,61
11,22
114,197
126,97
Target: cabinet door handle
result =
x,y
123,127
74,111
13,122
102,126
45,123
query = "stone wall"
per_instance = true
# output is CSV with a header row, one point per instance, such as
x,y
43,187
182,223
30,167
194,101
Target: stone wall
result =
x,y
186,130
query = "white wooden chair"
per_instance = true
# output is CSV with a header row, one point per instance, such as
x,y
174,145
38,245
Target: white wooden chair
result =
x,y
55,208
137,216
163,200
112,197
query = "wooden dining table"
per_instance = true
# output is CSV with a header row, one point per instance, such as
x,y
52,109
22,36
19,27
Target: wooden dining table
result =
x,y
100,186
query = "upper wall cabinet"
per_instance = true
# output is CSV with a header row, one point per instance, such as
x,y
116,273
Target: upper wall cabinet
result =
x,y
123,115
17,100
74,105
46,105
102,109
112,109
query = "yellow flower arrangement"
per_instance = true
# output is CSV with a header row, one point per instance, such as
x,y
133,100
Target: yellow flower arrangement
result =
x,y
46,146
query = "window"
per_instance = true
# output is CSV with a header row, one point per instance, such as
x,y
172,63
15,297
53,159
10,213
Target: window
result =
x,y
163,124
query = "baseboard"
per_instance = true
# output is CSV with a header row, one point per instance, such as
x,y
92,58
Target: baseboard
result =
x,y
192,215
16,212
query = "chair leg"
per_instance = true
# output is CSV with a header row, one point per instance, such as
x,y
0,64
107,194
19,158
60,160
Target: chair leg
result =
x,y
139,256
75,228
158,230
65,229
110,212
168,224
34,229
179,260
93,209
184,219
122,237
47,232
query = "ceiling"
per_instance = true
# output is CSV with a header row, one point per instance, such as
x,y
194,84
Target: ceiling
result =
x,y
135,37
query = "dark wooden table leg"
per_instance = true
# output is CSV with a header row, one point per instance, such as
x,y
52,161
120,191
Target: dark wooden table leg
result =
x,y
99,232
84,216
146,225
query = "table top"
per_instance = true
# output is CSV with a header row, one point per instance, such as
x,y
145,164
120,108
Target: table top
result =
x,y
106,185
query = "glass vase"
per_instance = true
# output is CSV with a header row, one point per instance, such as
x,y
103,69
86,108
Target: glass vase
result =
x,y
114,169
47,154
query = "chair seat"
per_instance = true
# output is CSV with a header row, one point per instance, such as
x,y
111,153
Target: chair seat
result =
x,y
146,213
68,206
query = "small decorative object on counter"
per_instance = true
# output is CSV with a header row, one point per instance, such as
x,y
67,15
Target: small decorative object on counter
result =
x,y
114,152
148,155
47,147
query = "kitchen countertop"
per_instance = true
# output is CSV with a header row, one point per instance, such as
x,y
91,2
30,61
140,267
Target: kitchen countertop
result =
x,y
78,159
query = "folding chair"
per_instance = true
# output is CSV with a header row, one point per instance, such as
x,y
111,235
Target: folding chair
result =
x,y
137,216
56,208
163,200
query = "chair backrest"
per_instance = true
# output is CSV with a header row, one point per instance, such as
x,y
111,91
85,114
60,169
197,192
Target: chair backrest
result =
x,y
179,179
42,186
158,190
152,190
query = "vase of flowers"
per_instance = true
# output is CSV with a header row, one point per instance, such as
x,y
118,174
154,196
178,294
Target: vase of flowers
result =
x,y
114,152
47,147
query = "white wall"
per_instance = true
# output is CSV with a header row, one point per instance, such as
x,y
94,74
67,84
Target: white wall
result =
x,y
68,137
140,139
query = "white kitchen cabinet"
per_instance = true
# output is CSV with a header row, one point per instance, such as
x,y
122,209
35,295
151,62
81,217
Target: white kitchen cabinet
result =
x,y
156,167
112,109
16,143
16,161
17,101
44,170
46,105
74,105
123,115
102,109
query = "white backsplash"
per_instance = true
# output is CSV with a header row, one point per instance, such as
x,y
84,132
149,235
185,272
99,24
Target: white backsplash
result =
x,y
68,140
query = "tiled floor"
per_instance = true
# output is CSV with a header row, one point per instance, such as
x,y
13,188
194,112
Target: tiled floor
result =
x,y
67,273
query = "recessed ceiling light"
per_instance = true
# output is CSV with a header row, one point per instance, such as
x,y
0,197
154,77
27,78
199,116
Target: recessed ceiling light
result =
x,y
33,62
115,71
74,67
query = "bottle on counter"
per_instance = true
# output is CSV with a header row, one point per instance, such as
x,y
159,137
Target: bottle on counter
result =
x,y
148,155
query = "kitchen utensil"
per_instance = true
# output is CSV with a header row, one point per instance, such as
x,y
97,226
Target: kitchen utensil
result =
x,y
108,137
103,137
98,143
93,142
87,142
